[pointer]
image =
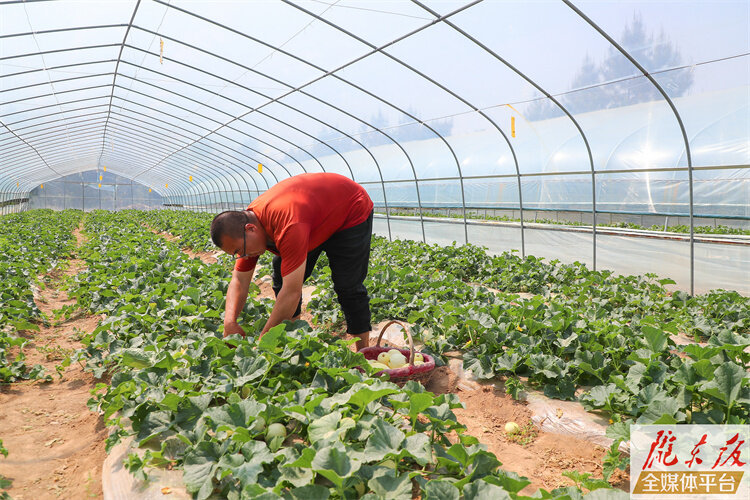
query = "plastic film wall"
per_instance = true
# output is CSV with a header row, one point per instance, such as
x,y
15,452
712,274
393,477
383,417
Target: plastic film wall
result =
x,y
584,107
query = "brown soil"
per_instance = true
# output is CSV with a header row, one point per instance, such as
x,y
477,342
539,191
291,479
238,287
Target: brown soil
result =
x,y
205,257
55,444
266,292
541,457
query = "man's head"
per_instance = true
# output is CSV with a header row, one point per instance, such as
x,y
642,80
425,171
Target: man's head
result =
x,y
239,233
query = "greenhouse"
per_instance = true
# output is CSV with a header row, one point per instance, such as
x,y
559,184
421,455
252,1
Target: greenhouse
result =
x,y
551,203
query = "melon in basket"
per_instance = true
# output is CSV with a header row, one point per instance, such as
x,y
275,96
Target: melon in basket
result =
x,y
396,359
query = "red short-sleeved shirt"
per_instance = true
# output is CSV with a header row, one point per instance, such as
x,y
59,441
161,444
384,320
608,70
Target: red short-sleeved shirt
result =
x,y
302,212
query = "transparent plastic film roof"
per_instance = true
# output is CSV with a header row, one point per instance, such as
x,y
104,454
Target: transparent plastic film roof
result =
x,y
594,108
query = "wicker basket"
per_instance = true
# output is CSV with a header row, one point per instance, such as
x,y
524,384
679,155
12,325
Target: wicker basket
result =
x,y
400,376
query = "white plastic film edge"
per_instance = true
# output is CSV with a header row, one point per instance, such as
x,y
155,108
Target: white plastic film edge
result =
x,y
119,484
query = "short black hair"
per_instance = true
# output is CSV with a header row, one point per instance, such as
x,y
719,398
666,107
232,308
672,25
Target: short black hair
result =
x,y
230,222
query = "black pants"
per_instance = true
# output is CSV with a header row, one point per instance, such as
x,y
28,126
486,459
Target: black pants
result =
x,y
348,254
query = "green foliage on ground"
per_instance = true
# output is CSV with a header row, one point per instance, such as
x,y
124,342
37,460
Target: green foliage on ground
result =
x,y
31,244
203,403
603,339
192,230
581,330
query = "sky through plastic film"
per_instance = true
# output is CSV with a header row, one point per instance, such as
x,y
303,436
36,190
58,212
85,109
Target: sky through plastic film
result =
x,y
377,91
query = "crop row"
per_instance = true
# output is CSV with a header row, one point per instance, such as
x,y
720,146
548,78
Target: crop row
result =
x,y
192,231
203,403
611,335
603,339
31,243
678,228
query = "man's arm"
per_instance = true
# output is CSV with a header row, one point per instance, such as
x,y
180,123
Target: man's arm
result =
x,y
287,299
236,298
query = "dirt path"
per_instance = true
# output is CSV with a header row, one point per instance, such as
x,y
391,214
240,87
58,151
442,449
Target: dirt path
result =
x,y
205,257
55,444
540,456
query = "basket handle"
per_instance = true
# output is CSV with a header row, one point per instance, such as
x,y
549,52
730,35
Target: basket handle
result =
x,y
408,334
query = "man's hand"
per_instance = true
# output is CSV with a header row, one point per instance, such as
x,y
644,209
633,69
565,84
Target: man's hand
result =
x,y
233,328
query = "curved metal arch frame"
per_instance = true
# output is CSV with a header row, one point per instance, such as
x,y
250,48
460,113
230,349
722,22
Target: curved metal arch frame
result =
x,y
204,117
238,118
53,82
241,118
219,135
442,18
291,107
199,160
119,58
105,74
122,46
442,87
55,105
115,170
82,108
325,74
562,108
79,89
114,78
567,2
181,173
666,97
148,137
19,167
228,98
303,93
332,73
111,95
180,185
74,101
55,51
247,187
31,147
86,118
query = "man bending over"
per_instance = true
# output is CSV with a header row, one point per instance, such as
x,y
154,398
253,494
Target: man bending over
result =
x,y
297,219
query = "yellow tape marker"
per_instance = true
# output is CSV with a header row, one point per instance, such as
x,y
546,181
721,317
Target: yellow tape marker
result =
x,y
161,51
42,187
100,177
260,168
149,190
191,178
100,184
512,126
104,168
